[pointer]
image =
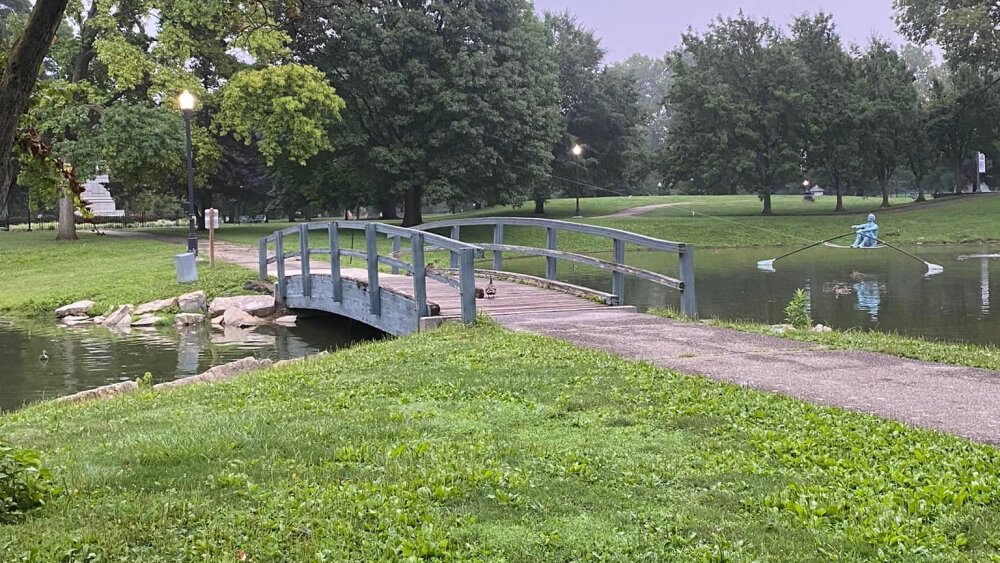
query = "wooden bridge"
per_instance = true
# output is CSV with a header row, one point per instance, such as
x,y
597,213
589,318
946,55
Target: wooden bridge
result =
x,y
313,277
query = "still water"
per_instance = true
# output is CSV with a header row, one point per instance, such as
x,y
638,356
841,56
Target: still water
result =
x,y
84,358
868,289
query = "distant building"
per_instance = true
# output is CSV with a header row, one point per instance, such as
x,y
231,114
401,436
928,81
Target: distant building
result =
x,y
816,191
98,198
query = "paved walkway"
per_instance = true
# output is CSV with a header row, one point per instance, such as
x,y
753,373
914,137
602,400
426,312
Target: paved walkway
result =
x,y
958,400
638,211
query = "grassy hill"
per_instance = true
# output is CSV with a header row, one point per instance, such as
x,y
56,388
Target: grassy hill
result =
x,y
480,444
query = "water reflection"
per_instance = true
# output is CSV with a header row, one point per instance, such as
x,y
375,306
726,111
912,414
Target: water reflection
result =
x,y
882,290
869,294
83,358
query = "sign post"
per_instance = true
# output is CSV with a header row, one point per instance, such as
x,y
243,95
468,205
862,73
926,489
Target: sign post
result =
x,y
980,168
211,237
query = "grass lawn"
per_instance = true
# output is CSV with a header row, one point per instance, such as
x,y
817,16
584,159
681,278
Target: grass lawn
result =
x,y
39,274
490,445
728,221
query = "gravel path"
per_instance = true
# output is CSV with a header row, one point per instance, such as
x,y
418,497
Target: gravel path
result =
x,y
638,211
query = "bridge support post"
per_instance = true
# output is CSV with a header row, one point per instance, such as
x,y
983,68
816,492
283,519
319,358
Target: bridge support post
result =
x,y
419,275
338,290
456,234
689,306
618,278
279,254
467,273
304,248
371,240
498,239
262,253
550,270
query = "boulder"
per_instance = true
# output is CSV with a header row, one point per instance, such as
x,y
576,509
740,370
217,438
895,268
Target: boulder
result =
x,y
821,328
119,316
287,320
77,309
237,318
74,320
148,320
189,319
100,320
193,302
156,306
256,305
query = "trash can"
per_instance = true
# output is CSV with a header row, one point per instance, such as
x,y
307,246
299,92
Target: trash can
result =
x,y
187,272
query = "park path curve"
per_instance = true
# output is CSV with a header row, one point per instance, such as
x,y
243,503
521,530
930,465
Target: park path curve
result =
x,y
641,210
954,399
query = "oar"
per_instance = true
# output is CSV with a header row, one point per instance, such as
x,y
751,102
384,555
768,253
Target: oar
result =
x,y
932,269
768,265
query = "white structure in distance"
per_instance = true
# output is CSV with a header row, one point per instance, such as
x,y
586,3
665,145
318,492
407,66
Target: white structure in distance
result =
x,y
98,198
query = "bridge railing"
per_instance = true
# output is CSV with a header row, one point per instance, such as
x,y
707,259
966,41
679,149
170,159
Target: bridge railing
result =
x,y
462,256
619,240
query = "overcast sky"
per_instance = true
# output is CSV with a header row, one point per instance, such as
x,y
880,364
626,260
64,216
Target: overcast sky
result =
x,y
653,27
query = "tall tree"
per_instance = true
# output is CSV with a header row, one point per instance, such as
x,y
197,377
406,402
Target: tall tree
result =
x,y
600,110
961,118
445,99
967,30
833,124
887,102
652,82
17,79
922,156
738,109
232,54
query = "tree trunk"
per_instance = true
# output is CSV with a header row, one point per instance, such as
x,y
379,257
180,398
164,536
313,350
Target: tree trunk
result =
x,y
959,178
413,213
5,192
539,206
920,188
767,202
19,76
840,196
885,192
67,219
388,207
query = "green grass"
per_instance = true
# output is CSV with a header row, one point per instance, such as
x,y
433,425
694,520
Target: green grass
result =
x,y
39,274
490,445
729,221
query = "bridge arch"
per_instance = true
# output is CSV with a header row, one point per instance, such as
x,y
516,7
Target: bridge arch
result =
x,y
402,304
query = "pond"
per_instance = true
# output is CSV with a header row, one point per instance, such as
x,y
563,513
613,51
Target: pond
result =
x,y
84,358
866,289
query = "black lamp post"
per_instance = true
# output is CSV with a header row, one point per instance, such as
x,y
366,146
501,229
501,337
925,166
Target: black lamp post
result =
x,y
577,152
186,101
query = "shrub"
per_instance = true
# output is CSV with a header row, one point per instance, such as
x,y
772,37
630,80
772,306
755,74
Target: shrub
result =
x,y
24,483
797,310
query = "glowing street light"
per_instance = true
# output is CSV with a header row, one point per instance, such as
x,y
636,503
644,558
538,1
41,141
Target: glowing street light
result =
x,y
186,101
577,151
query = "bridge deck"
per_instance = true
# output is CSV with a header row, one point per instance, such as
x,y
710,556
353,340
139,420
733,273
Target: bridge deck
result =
x,y
511,298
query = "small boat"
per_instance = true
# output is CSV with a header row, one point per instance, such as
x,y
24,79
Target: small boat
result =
x,y
876,247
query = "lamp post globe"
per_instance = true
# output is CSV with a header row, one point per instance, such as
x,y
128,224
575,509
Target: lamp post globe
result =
x,y
577,151
186,101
